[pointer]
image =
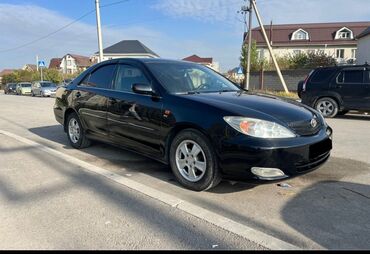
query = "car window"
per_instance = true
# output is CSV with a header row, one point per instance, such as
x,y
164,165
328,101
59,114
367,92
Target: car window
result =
x,y
322,75
100,78
367,76
26,85
127,76
179,78
351,76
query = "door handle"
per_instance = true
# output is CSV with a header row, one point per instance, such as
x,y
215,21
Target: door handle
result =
x,y
78,94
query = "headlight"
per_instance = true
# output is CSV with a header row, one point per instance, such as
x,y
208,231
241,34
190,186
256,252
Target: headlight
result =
x,y
258,128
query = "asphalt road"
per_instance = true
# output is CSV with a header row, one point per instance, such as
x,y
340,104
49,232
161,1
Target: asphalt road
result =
x,y
45,202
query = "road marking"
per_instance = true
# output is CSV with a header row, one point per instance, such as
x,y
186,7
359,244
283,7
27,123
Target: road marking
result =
x,y
220,221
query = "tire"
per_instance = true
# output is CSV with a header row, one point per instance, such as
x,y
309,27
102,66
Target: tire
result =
x,y
82,141
200,180
328,107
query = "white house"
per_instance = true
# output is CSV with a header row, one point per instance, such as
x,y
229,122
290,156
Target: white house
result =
x,y
126,49
71,63
334,39
363,47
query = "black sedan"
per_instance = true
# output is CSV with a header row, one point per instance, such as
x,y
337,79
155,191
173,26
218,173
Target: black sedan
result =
x,y
192,118
10,88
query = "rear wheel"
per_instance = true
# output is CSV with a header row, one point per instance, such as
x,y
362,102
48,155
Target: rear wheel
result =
x,y
193,161
328,107
76,133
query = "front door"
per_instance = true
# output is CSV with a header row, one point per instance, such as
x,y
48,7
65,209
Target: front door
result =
x,y
134,120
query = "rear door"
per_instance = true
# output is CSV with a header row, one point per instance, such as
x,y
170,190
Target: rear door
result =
x,y
350,86
134,120
367,90
91,98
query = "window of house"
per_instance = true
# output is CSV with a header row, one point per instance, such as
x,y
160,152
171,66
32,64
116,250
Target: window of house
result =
x,y
300,34
260,54
340,53
127,76
69,62
344,33
100,78
353,53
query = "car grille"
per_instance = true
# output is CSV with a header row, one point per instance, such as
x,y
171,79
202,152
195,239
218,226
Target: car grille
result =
x,y
304,128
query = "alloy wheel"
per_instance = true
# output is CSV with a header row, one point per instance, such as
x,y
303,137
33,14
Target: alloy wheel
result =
x,y
191,160
326,108
74,130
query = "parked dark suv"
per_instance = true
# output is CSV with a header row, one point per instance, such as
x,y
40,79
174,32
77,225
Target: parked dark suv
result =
x,y
10,88
336,90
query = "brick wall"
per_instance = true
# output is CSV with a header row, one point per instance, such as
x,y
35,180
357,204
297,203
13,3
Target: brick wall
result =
x,y
272,82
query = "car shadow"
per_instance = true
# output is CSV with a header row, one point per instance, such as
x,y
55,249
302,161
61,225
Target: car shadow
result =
x,y
333,214
354,117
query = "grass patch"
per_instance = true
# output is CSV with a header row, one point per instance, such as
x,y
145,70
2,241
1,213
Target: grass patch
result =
x,y
290,95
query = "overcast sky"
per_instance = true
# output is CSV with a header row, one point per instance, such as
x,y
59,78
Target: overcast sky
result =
x,y
171,28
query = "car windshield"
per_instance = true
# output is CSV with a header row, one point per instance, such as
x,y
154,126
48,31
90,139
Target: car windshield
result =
x,y
179,78
48,85
26,85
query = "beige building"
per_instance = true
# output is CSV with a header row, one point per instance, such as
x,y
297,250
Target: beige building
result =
x,y
363,50
71,63
207,61
334,39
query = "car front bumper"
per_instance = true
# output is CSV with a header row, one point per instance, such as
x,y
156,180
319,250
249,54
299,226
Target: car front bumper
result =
x,y
238,155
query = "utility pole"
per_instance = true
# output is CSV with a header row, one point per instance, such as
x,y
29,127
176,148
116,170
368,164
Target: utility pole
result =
x,y
250,9
37,63
244,10
269,46
100,41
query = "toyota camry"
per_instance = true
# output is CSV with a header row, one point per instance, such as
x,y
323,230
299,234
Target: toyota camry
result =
x,y
195,120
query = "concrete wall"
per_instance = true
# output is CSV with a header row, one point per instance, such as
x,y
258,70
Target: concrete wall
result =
x,y
363,51
271,80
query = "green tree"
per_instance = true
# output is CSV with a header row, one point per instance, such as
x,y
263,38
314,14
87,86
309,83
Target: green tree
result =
x,y
255,63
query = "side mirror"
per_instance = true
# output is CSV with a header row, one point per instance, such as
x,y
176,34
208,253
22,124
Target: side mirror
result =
x,y
142,89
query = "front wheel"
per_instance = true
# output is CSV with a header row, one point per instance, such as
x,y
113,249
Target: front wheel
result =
x,y
193,161
76,133
328,107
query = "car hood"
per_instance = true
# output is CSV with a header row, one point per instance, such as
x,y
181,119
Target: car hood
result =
x,y
260,106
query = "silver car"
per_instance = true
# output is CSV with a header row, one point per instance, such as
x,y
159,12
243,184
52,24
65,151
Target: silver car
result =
x,y
43,88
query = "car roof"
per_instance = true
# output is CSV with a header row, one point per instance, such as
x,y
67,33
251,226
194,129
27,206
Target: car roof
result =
x,y
345,66
148,60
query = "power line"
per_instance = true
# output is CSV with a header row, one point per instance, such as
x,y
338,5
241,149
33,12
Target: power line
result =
x,y
92,11
60,29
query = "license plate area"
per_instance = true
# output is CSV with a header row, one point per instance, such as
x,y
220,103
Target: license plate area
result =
x,y
320,148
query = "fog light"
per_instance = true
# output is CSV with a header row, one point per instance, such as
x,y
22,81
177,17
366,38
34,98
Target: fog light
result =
x,y
268,173
329,132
